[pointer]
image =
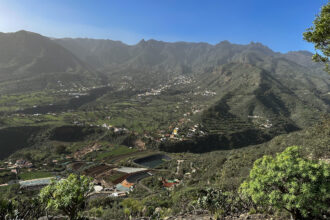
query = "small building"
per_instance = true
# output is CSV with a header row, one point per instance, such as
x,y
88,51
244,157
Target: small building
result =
x,y
170,183
23,164
118,194
14,171
98,188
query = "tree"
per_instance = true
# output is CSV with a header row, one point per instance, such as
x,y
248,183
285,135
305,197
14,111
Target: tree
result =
x,y
132,207
60,149
67,195
319,35
6,209
290,182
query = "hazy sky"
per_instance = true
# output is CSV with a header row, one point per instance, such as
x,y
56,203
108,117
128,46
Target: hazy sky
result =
x,y
278,24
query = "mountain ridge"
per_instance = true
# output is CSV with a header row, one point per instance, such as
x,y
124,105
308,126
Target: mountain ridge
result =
x,y
35,62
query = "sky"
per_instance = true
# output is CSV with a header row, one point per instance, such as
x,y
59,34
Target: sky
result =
x,y
279,24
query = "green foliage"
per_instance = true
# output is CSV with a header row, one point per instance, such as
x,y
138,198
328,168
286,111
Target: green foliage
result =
x,y
60,149
132,207
6,208
96,212
21,208
67,195
120,150
290,182
222,203
319,35
107,207
9,191
28,175
28,208
14,138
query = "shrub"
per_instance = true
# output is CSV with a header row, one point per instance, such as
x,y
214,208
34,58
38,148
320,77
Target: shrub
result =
x,y
67,195
290,182
222,203
132,207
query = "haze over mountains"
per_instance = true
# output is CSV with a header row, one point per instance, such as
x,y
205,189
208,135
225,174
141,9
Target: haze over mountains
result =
x,y
29,61
26,55
288,90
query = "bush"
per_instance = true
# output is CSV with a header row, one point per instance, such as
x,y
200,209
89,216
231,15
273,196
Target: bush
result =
x,y
67,195
132,207
60,149
6,208
292,183
222,203
27,208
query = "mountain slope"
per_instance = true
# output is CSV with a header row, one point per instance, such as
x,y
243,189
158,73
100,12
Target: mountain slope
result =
x,y
247,94
170,59
29,61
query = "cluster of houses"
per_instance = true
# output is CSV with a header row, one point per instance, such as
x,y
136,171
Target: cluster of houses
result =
x,y
105,126
179,80
152,92
196,110
116,130
206,93
182,80
19,164
263,123
120,187
194,130
76,87
77,94
22,115
126,184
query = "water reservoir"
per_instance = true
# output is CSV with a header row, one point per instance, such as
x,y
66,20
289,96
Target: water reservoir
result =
x,y
152,161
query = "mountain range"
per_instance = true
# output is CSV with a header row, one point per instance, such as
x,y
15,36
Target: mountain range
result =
x,y
251,79
256,91
27,56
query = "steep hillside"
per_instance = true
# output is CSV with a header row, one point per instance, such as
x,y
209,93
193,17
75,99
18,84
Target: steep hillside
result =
x,y
29,61
101,54
252,105
156,61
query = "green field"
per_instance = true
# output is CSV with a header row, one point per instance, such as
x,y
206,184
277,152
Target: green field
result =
x,y
27,175
117,151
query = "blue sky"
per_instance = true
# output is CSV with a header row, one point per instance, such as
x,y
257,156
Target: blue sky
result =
x,y
276,23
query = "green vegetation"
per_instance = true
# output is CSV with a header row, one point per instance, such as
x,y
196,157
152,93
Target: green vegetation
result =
x,y
233,104
28,175
16,102
67,195
132,207
14,138
292,183
319,35
19,208
6,176
6,208
116,151
9,191
114,176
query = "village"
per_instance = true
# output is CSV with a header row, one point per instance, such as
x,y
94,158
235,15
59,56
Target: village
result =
x,y
110,180
114,174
